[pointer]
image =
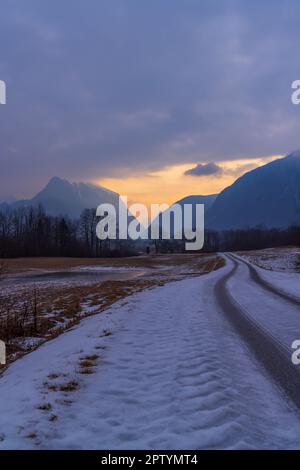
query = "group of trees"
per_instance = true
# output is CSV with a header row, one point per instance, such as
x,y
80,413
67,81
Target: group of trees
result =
x,y
29,231
251,238
240,239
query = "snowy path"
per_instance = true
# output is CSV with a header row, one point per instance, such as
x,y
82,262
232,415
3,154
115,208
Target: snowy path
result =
x,y
283,284
171,373
266,319
276,311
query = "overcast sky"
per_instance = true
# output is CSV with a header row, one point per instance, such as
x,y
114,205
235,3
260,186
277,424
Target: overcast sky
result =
x,y
110,88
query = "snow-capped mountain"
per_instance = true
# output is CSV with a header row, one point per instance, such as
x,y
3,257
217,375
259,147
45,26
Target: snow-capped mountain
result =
x,y
60,197
268,195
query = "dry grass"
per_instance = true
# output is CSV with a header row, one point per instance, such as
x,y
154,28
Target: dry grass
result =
x,y
66,387
47,312
93,357
86,371
283,258
19,265
86,364
71,386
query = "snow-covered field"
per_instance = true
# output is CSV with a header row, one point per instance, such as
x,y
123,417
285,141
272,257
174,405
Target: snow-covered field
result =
x,y
286,282
281,259
40,298
279,267
169,372
274,314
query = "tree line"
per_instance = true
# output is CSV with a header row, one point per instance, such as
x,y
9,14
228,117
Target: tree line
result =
x,y
29,231
255,238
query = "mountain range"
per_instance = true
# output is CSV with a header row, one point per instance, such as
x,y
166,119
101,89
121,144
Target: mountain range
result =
x,y
268,195
60,197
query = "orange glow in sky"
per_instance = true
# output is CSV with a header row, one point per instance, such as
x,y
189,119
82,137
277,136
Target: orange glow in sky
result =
x,y
169,184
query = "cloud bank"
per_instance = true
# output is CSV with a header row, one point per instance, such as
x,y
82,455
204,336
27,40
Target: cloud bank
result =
x,y
105,87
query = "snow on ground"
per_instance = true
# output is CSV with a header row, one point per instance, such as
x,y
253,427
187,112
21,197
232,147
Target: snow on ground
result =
x,y
281,273
68,278
274,314
286,282
171,374
280,259
110,269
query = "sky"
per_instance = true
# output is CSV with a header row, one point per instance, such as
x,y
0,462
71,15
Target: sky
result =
x,y
154,99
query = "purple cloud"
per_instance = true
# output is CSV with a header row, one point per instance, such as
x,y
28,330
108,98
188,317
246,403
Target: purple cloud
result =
x,y
204,169
95,91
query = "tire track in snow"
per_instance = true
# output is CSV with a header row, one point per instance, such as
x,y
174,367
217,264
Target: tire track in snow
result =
x,y
176,376
256,277
173,375
275,357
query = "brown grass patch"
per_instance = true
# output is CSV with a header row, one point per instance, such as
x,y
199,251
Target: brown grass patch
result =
x,y
71,386
48,312
87,364
86,371
93,357
17,265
